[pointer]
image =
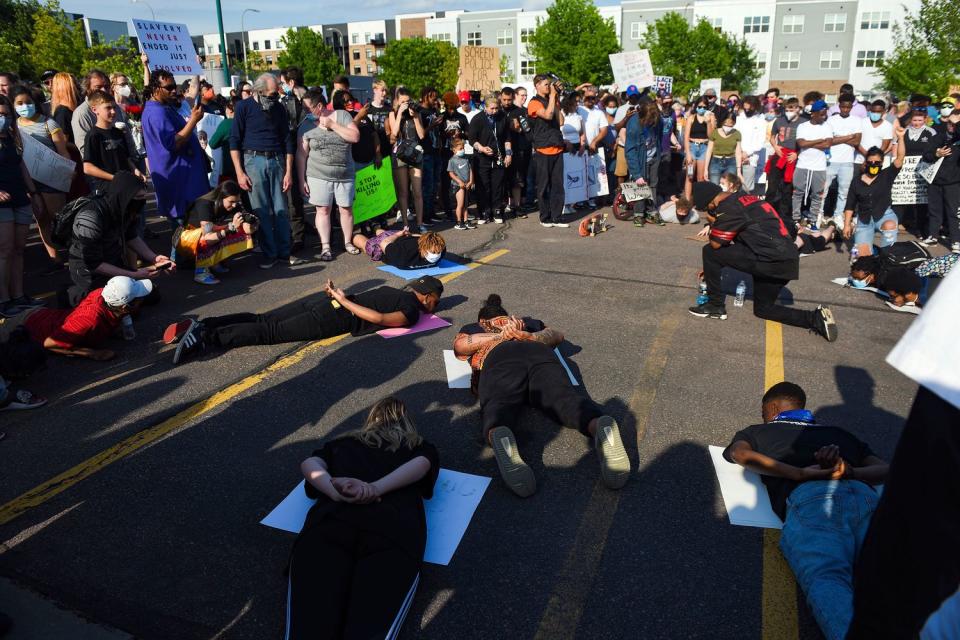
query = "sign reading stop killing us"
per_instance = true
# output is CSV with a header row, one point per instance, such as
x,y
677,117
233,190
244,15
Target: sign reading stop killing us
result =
x,y
169,47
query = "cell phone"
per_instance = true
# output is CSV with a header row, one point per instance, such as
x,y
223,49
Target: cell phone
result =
x,y
163,267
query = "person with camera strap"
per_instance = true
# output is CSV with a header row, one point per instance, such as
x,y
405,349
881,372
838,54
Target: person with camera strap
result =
x,y
490,137
406,134
548,147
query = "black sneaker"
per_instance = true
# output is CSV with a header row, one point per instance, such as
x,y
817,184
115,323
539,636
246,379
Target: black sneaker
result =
x,y
191,343
709,311
470,224
824,324
460,226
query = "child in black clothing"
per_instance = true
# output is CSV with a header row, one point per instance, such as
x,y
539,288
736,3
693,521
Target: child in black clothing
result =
x,y
105,149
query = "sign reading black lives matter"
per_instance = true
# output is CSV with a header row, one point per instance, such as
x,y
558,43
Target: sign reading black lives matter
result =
x,y
169,47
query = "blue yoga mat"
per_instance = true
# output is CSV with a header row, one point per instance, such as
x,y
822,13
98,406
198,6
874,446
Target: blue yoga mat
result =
x,y
442,267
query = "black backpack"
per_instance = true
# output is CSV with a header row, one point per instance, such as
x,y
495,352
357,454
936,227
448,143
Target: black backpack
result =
x,y
908,253
63,221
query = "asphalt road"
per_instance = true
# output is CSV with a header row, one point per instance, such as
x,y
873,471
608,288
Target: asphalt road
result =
x,y
164,542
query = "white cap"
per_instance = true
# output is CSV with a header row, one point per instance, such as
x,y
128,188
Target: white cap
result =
x,y
121,290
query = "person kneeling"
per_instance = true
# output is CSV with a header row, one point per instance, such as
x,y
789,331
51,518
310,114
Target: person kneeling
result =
x,y
217,227
333,315
820,481
402,249
514,364
356,563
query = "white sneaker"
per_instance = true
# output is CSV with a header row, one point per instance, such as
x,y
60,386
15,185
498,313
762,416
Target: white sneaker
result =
x,y
498,220
546,224
955,247
562,225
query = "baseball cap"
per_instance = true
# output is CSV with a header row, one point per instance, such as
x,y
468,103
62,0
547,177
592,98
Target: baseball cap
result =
x,y
464,96
121,290
819,105
632,90
703,193
47,75
427,285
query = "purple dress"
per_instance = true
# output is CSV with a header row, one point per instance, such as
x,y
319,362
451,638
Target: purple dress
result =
x,y
179,175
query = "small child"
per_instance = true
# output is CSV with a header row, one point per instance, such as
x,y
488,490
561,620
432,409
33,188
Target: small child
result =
x,y
105,149
678,210
461,181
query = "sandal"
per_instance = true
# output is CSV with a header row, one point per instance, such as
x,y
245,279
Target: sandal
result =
x,y
326,256
21,400
352,250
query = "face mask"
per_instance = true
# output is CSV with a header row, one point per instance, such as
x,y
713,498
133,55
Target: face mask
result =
x,y
611,110
311,117
889,236
748,112
770,117
945,112
701,110
432,258
124,91
269,100
875,117
873,168
286,89
461,153
792,115
858,284
26,110
4,123
727,129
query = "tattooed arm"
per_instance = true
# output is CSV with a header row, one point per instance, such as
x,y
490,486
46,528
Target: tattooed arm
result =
x,y
466,344
549,337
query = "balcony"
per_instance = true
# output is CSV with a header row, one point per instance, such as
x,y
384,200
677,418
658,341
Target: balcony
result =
x,y
378,40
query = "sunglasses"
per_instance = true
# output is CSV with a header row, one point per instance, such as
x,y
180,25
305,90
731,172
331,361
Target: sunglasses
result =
x,y
169,87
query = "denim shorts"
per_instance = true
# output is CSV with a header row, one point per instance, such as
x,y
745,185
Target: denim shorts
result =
x,y
698,150
323,193
863,232
17,215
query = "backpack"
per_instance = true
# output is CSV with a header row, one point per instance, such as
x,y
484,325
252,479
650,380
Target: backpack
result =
x,y
63,221
20,356
909,253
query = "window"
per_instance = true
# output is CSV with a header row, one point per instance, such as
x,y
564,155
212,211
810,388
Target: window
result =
x,y
762,61
835,23
756,24
210,49
528,67
366,37
356,71
789,60
269,59
504,36
379,37
637,29
443,37
792,24
369,54
830,59
266,44
219,48
369,68
380,51
716,23
354,38
869,58
356,54
525,35
256,46
875,20
474,38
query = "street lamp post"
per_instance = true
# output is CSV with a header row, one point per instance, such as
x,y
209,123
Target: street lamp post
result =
x,y
246,39
223,47
343,46
152,12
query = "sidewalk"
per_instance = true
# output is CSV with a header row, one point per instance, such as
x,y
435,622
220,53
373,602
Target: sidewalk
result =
x,y
36,618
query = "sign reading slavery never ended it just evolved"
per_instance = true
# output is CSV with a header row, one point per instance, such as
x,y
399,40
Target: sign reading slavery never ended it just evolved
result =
x,y
169,47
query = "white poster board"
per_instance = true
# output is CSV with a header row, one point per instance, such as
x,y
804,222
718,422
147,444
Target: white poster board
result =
x,y
574,178
632,67
744,494
710,83
208,124
46,165
909,187
597,174
169,47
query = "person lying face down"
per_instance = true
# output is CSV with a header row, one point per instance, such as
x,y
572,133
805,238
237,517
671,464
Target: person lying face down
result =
x,y
402,249
325,316
514,365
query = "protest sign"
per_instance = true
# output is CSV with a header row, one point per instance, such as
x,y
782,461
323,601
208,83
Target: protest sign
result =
x,y
375,192
663,84
597,174
909,186
574,178
169,47
480,67
632,67
710,83
928,170
46,165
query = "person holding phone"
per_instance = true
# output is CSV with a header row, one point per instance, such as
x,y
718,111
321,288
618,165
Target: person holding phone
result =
x,y
944,191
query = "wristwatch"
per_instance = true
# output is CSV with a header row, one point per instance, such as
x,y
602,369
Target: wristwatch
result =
x,y
231,227
508,152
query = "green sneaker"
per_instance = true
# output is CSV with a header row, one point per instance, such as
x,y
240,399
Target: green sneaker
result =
x,y
614,463
515,472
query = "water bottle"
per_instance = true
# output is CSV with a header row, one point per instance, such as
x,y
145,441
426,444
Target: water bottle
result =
x,y
854,253
741,294
126,325
702,298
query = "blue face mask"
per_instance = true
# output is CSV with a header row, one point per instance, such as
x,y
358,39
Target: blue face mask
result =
x,y
26,110
4,123
701,110
875,117
311,117
858,284
770,117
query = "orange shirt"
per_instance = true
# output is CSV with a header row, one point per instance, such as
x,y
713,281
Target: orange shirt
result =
x,y
533,109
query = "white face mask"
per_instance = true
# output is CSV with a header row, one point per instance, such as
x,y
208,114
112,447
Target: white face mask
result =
x,y
945,112
791,115
727,129
124,91
432,258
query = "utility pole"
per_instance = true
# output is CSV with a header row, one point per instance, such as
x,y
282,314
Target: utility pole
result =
x,y
223,47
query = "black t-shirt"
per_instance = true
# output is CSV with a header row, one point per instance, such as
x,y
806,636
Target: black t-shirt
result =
x,y
11,175
204,209
922,143
517,138
794,443
870,201
378,117
433,140
404,253
785,131
106,149
399,515
755,224
385,300
364,150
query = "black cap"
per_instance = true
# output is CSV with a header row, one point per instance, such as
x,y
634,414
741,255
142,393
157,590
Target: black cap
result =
x,y
427,285
703,193
47,75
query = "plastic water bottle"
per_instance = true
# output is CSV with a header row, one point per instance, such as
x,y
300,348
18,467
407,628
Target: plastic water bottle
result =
x,y
741,294
126,325
854,253
702,297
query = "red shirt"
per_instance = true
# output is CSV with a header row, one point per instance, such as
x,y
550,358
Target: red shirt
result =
x,y
89,325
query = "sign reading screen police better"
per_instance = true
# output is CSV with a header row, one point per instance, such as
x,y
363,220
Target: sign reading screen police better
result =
x,y
169,47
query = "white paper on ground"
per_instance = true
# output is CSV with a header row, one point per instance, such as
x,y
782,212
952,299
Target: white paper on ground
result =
x,y
844,282
458,371
455,499
744,494
906,308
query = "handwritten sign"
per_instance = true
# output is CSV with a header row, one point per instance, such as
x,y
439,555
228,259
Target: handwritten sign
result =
x,y
711,83
169,47
663,84
909,187
632,67
480,67
46,165
375,192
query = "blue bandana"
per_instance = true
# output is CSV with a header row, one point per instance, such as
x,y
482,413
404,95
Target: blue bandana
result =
x,y
795,415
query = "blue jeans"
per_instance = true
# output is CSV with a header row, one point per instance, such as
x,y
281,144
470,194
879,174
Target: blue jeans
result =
x,y
719,166
428,184
842,172
822,536
863,232
269,202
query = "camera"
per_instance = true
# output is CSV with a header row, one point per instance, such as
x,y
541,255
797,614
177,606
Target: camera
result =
x,y
561,85
524,123
416,107
249,218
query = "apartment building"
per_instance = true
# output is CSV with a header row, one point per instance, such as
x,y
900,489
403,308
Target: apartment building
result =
x,y
264,47
367,42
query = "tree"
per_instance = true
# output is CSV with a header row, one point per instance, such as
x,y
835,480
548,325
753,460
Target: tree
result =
x,y
506,69
418,62
694,54
574,42
305,48
117,57
925,58
16,32
58,42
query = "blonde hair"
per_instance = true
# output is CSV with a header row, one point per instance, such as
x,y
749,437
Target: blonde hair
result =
x,y
380,84
64,92
431,242
387,425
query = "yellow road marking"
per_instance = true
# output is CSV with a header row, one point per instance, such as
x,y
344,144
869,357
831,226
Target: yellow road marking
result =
x,y
60,483
779,599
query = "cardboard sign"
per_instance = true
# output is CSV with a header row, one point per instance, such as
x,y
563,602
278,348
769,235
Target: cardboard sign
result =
x,y
169,47
710,83
663,84
632,67
909,186
46,165
480,67
375,192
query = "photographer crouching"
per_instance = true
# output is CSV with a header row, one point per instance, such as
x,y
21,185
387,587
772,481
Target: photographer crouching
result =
x,y
218,227
490,136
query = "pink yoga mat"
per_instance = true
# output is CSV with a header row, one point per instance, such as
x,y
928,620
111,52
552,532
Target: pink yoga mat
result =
x,y
426,322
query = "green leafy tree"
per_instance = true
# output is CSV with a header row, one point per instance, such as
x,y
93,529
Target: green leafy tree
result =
x,y
117,57
305,48
58,42
574,42
9,56
506,69
16,32
691,54
418,62
930,69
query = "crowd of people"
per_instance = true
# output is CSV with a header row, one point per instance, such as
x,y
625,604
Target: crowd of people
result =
x,y
769,177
